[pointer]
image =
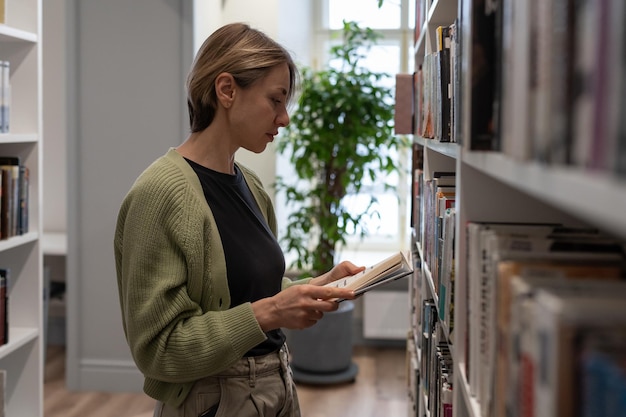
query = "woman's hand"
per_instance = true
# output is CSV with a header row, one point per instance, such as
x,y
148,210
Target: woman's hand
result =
x,y
344,269
299,306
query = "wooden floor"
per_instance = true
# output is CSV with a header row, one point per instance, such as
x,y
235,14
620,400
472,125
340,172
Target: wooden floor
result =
x,y
379,390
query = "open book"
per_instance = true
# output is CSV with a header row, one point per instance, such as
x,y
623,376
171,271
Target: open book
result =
x,y
389,269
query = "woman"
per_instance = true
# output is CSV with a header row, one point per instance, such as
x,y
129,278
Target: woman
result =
x,y
199,270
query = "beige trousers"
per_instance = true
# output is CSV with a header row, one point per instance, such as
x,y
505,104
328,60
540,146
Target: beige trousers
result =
x,y
254,386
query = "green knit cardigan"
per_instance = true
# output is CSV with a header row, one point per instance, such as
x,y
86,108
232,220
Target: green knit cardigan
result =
x,y
171,275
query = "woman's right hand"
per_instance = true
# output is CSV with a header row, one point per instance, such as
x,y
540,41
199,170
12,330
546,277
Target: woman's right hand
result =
x,y
298,307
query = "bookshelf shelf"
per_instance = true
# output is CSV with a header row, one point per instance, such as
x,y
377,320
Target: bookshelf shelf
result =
x,y
20,253
442,12
11,34
449,149
595,197
18,138
19,337
18,241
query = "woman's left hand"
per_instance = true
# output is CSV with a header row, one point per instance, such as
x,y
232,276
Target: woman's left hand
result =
x,y
343,269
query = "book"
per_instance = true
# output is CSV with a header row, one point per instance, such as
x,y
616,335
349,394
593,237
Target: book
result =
x,y
10,199
4,306
446,270
389,269
23,189
456,127
443,128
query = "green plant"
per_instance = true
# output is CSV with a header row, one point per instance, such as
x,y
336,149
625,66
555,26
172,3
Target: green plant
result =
x,y
340,133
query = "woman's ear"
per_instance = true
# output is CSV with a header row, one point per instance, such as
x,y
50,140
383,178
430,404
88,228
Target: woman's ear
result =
x,y
225,89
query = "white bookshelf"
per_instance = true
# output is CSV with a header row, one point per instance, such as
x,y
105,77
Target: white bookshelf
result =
x,y
22,356
492,186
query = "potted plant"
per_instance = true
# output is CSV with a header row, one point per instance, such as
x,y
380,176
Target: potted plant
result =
x,y
340,134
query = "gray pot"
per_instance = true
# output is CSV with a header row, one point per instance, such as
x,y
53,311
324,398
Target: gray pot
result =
x,y
322,354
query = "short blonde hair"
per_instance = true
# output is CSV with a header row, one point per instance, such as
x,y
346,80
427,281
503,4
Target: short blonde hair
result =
x,y
245,53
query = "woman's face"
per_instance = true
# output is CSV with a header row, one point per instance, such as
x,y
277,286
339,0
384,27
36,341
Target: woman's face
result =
x,y
258,111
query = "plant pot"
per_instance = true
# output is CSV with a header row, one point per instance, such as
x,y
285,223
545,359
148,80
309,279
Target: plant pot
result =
x,y
322,354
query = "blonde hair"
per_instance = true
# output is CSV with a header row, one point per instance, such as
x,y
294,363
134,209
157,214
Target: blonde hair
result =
x,y
245,53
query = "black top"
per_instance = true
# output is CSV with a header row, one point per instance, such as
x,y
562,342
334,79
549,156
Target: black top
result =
x,y
255,263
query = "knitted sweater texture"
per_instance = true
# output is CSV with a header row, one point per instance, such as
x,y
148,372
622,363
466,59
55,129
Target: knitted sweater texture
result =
x,y
173,287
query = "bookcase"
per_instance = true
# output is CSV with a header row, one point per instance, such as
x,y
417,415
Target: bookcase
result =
x,y
21,358
522,113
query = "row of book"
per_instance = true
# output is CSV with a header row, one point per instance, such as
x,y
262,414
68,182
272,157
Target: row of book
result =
x,y
5,95
552,83
436,364
429,359
519,343
434,222
14,197
436,89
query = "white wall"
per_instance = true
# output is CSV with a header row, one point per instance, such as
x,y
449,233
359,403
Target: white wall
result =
x,y
54,64
126,106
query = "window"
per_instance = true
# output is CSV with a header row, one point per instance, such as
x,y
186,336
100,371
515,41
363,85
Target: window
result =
x,y
393,54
